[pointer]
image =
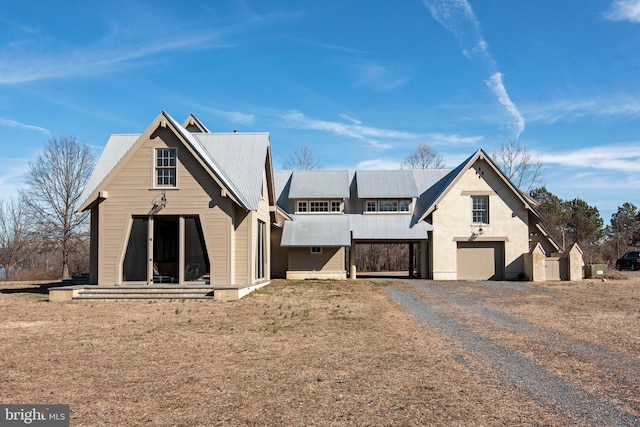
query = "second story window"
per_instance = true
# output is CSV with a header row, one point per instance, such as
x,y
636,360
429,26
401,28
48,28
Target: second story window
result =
x,y
319,206
166,169
388,206
480,209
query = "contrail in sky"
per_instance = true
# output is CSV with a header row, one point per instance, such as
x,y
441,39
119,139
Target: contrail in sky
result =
x,y
458,18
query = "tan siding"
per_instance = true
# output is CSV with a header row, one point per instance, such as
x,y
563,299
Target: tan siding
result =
x,y
131,193
242,249
331,259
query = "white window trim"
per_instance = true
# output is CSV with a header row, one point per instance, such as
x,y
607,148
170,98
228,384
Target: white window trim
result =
x,y
329,203
487,210
154,169
379,212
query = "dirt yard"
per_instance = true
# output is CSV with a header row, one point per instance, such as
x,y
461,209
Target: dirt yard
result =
x,y
318,353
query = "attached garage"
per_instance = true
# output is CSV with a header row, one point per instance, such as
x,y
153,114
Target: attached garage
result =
x,y
480,260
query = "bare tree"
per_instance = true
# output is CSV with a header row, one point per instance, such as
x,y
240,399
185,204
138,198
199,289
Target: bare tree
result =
x,y
519,165
424,157
17,244
302,159
54,184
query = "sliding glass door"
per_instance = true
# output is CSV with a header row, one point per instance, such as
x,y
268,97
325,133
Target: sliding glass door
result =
x,y
166,249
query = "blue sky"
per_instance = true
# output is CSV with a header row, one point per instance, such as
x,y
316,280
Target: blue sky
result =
x,y
360,82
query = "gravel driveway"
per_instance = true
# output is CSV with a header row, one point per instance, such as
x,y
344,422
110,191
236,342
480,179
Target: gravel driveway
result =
x,y
457,315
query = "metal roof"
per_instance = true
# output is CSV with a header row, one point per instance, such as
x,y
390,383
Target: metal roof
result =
x,y
282,183
241,157
116,148
316,230
387,227
319,184
386,184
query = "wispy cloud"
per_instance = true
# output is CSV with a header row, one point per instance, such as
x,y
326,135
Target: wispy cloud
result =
x,y
326,46
497,86
12,176
624,10
18,125
569,110
438,138
354,129
99,58
379,164
380,77
236,117
39,56
619,158
457,17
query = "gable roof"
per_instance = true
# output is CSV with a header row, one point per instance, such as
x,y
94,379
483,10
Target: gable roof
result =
x,y
192,124
235,160
429,199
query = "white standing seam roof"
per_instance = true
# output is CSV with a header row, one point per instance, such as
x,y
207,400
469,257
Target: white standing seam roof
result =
x,y
387,227
241,157
319,184
316,230
116,148
386,184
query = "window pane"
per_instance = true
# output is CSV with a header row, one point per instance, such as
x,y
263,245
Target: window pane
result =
x,y
166,167
319,207
195,251
480,209
371,206
404,205
336,206
135,259
388,206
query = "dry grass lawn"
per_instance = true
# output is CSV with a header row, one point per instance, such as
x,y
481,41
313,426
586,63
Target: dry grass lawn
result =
x,y
293,353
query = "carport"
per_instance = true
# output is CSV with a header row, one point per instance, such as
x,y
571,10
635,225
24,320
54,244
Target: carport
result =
x,y
390,228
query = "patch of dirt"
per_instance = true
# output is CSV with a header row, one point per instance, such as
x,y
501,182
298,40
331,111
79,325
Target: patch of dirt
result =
x,y
292,353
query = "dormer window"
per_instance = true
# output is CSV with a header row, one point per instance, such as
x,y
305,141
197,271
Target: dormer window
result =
x,y
319,206
166,167
387,206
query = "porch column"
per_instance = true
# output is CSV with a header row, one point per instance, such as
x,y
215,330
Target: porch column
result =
x,y
150,224
423,259
352,261
181,239
411,259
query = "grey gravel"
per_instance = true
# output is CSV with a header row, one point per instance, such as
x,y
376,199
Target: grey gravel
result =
x,y
446,310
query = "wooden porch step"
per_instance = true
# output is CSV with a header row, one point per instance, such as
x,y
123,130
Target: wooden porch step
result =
x,y
146,292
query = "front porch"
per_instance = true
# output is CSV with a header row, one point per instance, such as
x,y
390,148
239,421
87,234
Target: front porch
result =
x,y
152,292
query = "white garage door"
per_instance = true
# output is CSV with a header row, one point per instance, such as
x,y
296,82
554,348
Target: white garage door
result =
x,y
480,261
